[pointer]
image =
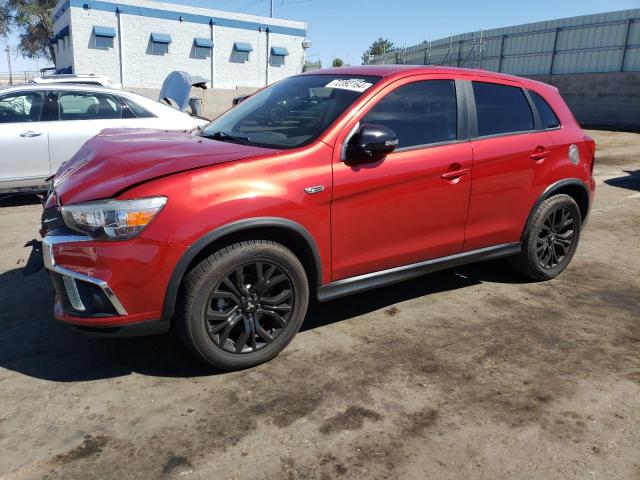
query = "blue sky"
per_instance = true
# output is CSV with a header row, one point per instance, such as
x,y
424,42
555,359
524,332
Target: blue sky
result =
x,y
345,28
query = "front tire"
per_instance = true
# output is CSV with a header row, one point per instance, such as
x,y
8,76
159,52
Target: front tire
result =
x,y
551,239
242,305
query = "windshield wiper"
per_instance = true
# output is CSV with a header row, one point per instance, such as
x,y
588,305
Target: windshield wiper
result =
x,y
227,137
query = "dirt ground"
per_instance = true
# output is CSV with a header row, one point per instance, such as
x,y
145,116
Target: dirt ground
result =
x,y
468,373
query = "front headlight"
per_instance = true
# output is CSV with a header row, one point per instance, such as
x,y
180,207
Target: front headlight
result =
x,y
112,219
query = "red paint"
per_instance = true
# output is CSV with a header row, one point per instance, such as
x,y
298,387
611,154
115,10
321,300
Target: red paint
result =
x,y
411,206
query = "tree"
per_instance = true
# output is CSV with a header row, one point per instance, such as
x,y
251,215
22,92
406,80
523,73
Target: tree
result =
x,y
380,46
31,20
337,62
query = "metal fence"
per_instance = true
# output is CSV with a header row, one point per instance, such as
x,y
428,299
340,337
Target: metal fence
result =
x,y
606,42
7,78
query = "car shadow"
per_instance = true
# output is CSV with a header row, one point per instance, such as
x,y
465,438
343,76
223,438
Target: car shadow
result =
x,y
630,181
34,344
19,199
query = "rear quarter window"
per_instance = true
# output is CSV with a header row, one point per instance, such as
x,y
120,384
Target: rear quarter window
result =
x,y
501,109
547,116
137,110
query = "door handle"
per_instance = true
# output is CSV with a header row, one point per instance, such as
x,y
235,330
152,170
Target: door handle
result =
x,y
540,153
30,133
452,175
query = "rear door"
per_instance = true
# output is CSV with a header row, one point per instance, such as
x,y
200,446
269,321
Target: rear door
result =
x,y
412,205
24,161
512,158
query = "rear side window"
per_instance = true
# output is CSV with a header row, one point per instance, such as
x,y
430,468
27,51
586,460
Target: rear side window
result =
x,y
137,110
419,113
547,116
88,106
501,109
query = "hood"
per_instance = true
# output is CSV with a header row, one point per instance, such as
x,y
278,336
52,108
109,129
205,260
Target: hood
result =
x,y
176,89
116,159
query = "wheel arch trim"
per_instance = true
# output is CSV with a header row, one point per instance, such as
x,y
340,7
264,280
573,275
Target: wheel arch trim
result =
x,y
179,271
549,191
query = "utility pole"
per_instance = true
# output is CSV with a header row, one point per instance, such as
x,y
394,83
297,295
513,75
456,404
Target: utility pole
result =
x,y
8,50
271,10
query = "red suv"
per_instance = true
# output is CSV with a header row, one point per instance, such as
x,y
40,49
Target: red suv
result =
x,y
322,185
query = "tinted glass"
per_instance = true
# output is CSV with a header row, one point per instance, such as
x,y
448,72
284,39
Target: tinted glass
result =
x,y
501,109
201,52
104,42
21,107
88,106
290,113
136,109
549,119
159,48
419,113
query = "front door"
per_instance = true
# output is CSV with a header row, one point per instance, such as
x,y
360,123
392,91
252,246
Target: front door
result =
x,y
24,157
412,205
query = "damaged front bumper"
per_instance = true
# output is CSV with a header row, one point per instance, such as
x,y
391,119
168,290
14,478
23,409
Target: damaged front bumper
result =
x,y
83,294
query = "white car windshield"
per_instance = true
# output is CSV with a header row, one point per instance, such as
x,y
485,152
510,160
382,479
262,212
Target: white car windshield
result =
x,y
291,113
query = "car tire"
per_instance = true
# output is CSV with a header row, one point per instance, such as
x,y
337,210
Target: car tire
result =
x,y
551,239
242,305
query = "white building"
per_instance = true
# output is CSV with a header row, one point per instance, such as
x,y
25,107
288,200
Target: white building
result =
x,y
139,42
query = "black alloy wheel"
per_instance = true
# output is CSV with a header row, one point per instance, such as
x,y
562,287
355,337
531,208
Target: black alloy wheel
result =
x,y
241,305
550,238
249,307
555,238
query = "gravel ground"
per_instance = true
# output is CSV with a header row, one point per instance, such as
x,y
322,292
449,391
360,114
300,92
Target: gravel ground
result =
x,y
468,373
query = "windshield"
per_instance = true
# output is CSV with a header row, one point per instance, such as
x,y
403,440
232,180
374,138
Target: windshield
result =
x,y
291,113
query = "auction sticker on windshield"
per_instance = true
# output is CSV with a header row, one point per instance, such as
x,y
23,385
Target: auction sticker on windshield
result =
x,y
353,84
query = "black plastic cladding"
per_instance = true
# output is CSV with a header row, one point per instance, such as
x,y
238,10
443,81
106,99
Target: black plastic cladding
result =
x,y
235,227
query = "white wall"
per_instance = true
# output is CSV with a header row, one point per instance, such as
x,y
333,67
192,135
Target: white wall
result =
x,y
64,48
293,62
142,69
145,70
87,58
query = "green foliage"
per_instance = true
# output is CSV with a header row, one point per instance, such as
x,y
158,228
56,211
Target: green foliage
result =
x,y
31,20
337,62
380,46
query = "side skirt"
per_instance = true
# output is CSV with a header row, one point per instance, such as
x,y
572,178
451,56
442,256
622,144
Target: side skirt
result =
x,y
368,281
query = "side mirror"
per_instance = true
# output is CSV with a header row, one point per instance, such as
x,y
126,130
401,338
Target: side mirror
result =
x,y
371,142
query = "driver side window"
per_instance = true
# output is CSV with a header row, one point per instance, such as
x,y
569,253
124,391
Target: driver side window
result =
x,y
420,113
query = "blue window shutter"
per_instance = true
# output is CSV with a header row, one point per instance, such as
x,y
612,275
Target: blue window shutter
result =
x,y
242,47
279,51
160,38
104,31
203,42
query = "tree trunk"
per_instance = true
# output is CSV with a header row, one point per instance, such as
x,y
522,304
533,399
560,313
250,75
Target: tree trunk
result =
x,y
52,52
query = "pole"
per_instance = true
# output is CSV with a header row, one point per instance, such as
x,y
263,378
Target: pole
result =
x,y
120,45
8,50
266,67
271,10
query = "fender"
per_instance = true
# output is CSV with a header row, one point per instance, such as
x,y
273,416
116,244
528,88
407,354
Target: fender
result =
x,y
247,224
549,191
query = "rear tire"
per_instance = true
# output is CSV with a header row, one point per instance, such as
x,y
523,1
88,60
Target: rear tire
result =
x,y
551,239
242,305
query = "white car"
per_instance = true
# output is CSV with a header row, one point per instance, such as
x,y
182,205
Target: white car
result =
x,y
44,125
89,79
